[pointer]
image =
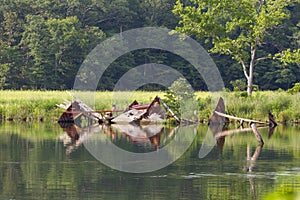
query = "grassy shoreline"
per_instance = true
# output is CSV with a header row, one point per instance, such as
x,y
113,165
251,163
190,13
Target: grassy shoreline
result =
x,y
41,105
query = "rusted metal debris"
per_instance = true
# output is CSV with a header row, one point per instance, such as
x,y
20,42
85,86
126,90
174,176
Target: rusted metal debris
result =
x,y
77,109
135,112
156,111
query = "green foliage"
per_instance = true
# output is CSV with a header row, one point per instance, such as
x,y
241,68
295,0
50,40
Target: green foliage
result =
x,y
289,56
3,70
182,89
205,107
221,20
44,42
171,100
34,105
283,194
180,98
283,105
235,28
295,89
239,85
56,46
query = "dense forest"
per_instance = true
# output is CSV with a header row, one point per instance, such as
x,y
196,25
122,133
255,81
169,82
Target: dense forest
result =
x,y
44,42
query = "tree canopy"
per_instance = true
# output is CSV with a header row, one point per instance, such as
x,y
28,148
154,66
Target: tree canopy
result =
x,y
44,42
234,28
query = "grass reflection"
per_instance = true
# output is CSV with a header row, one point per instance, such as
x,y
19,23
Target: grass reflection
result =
x,y
34,165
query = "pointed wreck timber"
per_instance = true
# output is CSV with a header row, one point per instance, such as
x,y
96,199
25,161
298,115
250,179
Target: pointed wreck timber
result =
x,y
77,109
217,119
136,112
220,111
271,119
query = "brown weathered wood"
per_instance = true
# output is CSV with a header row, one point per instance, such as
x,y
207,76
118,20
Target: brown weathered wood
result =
x,y
271,119
256,133
220,108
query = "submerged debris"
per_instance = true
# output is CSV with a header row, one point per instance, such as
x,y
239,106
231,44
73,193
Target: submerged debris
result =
x,y
146,112
76,110
157,111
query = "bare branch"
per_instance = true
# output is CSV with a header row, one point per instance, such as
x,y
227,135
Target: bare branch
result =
x,y
243,64
260,59
244,68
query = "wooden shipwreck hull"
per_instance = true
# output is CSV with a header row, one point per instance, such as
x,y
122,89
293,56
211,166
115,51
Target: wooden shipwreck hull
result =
x,y
76,111
135,112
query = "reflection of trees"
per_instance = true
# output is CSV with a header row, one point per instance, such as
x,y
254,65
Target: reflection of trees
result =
x,y
33,165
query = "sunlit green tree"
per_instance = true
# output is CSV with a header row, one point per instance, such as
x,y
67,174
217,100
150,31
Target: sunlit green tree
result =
x,y
235,28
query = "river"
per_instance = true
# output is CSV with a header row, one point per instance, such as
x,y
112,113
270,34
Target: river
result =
x,y
46,161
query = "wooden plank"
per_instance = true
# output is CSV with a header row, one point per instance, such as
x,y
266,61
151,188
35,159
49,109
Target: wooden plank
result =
x,y
169,110
240,119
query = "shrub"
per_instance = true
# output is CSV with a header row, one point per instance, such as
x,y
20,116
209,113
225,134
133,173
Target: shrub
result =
x,y
180,98
239,85
294,89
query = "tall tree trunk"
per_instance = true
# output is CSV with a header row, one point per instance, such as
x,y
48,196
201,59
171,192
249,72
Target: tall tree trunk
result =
x,y
250,81
251,69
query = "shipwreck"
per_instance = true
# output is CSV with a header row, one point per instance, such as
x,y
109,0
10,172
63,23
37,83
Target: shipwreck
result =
x,y
155,112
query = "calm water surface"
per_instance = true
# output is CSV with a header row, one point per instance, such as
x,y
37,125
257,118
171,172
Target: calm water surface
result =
x,y
45,161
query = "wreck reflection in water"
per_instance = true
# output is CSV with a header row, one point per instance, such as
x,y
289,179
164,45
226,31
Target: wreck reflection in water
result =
x,y
131,137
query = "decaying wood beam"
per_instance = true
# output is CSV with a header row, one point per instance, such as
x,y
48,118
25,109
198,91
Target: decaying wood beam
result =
x,y
239,118
219,116
252,124
256,133
169,110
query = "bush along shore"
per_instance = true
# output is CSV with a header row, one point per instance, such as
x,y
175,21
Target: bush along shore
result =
x,y
41,105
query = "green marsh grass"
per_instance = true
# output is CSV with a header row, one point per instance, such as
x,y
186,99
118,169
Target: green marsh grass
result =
x,y
41,105
284,106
